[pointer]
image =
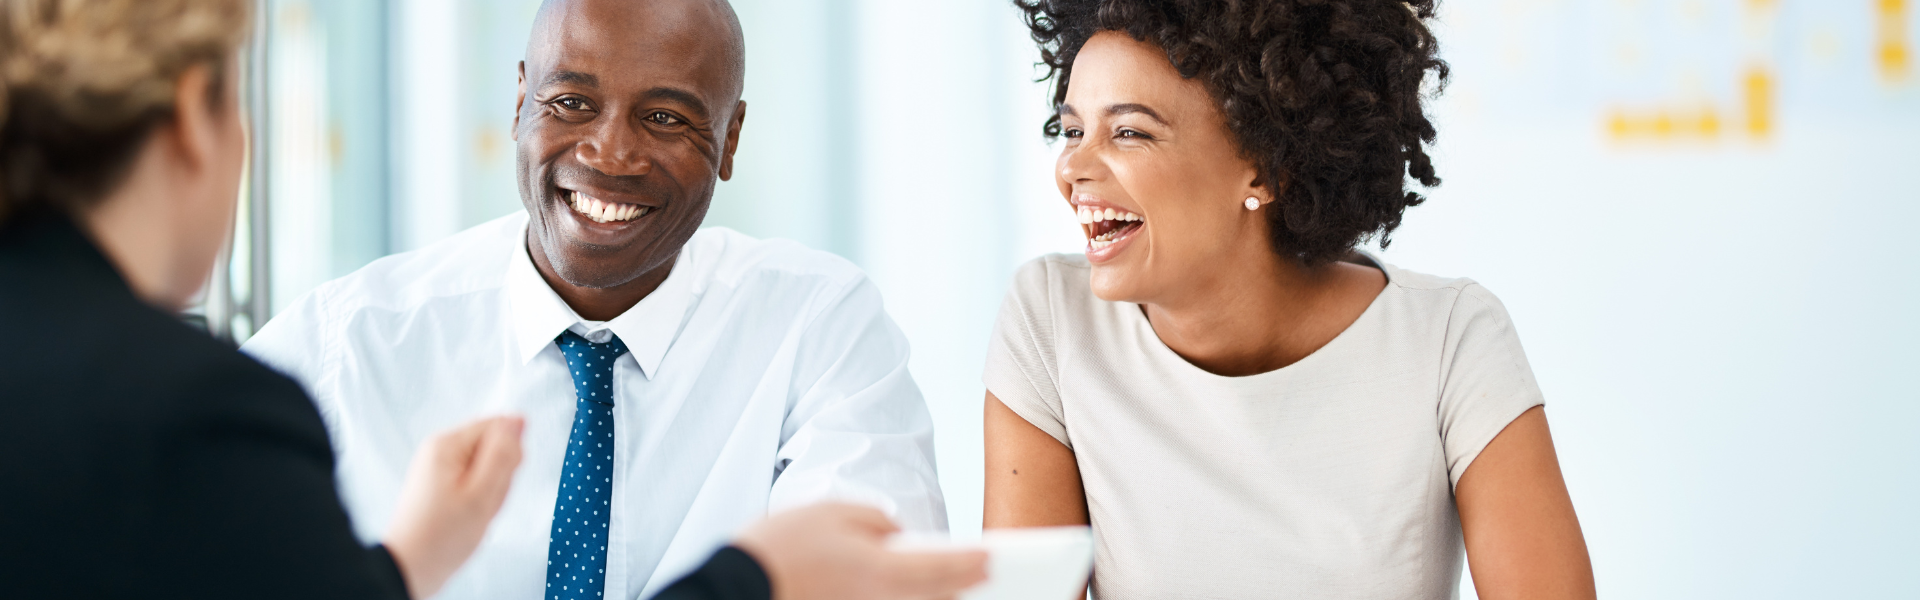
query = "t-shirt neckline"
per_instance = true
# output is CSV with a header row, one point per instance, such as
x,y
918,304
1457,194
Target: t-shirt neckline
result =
x,y
1138,316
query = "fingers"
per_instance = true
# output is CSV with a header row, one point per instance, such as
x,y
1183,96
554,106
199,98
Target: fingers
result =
x,y
496,455
867,519
934,574
454,449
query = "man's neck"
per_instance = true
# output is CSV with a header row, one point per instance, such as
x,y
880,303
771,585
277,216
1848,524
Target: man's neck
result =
x,y
599,303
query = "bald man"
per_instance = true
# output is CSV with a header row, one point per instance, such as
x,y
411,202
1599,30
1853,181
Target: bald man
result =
x,y
677,383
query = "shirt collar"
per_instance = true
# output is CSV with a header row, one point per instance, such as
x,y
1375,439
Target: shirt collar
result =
x,y
539,315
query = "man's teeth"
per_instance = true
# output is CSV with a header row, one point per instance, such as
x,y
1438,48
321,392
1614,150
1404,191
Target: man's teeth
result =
x,y
1090,215
605,212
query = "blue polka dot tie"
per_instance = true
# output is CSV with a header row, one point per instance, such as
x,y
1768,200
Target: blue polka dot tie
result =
x,y
577,548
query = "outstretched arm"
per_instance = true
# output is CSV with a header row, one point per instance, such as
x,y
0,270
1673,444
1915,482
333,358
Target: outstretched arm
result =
x,y
1523,539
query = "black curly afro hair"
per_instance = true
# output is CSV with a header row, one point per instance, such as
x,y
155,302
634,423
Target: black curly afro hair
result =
x,y
1325,96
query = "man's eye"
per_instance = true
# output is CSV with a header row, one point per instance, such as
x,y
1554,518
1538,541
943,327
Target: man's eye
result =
x,y
662,118
571,103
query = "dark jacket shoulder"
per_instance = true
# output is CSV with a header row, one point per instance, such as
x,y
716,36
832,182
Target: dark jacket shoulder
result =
x,y
143,457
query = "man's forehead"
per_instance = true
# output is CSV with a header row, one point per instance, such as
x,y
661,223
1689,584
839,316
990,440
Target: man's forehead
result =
x,y
691,41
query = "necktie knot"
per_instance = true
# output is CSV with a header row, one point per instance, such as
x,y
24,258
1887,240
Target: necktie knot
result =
x,y
591,365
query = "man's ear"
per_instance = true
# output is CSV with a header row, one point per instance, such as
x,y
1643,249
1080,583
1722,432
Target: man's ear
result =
x,y
733,140
193,133
519,102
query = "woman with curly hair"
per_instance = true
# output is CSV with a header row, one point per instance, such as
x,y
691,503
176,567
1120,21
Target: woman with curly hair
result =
x,y
1237,400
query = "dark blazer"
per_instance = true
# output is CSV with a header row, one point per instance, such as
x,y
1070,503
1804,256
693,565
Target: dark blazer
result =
x,y
141,458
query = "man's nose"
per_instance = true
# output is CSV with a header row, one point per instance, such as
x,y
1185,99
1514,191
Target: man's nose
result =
x,y
617,148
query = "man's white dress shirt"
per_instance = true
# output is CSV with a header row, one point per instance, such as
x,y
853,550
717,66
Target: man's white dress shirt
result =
x,y
761,375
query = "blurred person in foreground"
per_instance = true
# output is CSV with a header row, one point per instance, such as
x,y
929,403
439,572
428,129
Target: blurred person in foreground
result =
x,y
677,384
1239,402
140,458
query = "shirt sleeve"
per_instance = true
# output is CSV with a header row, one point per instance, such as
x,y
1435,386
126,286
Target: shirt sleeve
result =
x,y
1485,381
1021,368
859,430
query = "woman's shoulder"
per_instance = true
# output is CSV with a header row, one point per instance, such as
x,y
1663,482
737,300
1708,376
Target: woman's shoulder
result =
x,y
1052,269
1448,292
1051,282
1458,308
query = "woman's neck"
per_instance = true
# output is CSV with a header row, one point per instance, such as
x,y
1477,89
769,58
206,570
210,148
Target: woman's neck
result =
x,y
1260,315
137,238
139,227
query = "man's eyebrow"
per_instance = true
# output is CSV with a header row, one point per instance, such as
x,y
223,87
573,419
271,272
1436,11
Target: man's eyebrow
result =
x,y
690,100
571,77
1130,108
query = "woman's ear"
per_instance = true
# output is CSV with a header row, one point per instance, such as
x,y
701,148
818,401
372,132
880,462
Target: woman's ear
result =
x,y
1262,188
195,130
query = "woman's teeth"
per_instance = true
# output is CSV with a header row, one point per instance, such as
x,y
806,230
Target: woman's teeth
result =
x,y
602,211
1089,215
1107,225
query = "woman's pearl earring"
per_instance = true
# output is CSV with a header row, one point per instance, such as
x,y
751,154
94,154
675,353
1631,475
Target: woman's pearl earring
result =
x,y
1253,203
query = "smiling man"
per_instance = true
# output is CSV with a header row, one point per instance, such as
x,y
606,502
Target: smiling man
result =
x,y
677,384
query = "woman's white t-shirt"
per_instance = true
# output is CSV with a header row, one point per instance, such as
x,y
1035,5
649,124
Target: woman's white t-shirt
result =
x,y
1329,478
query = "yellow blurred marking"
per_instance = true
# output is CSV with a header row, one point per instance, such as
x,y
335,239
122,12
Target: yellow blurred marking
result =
x,y
1709,123
1750,116
1619,125
1758,89
1702,124
1893,50
486,144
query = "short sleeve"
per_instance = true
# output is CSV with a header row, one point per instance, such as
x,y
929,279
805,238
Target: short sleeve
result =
x,y
1021,367
1485,381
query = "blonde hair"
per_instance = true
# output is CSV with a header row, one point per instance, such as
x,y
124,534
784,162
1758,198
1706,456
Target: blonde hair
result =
x,y
83,82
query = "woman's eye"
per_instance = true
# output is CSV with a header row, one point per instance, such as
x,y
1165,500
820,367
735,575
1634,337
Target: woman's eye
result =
x,y
1073,133
662,118
1129,133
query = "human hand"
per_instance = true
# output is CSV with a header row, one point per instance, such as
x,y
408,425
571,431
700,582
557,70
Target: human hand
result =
x,y
836,551
455,485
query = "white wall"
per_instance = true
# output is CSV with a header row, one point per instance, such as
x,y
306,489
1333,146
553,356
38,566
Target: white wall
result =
x,y
1723,324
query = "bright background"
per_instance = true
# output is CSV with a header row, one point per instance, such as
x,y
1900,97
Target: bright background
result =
x,y
1699,212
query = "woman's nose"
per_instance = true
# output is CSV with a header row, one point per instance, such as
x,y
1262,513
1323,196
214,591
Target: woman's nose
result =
x,y
1079,163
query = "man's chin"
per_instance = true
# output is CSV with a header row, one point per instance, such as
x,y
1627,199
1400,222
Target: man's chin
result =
x,y
581,272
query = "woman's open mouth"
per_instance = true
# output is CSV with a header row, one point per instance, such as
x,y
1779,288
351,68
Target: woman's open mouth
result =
x,y
1107,226
601,211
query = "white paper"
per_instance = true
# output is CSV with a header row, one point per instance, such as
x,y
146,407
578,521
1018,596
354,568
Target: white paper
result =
x,y
1039,563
